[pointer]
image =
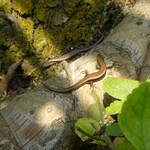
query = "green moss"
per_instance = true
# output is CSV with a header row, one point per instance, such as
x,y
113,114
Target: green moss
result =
x,y
13,53
23,6
8,39
95,4
69,6
27,26
84,21
5,5
52,3
4,32
44,43
84,18
41,12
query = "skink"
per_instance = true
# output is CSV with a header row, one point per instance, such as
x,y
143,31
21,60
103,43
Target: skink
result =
x,y
87,78
71,54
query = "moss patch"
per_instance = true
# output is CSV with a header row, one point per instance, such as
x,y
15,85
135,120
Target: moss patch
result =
x,y
41,12
84,19
23,6
44,44
27,26
49,27
5,5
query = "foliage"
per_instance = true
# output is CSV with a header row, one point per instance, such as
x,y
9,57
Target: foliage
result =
x,y
134,117
132,109
93,129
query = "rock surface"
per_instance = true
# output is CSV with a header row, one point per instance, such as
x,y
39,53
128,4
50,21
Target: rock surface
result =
x,y
40,119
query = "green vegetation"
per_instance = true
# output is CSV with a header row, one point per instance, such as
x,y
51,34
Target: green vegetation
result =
x,y
133,113
49,28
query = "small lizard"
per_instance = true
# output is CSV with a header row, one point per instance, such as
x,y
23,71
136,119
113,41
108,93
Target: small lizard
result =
x,y
71,53
87,78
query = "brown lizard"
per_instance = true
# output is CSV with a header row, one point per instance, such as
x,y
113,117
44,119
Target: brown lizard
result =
x,y
71,53
87,78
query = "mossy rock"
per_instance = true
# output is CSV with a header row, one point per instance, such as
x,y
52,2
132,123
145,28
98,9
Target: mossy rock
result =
x,y
51,28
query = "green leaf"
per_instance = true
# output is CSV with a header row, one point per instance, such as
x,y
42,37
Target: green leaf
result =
x,y
118,87
126,146
87,127
98,142
134,119
95,111
95,96
114,130
114,107
81,134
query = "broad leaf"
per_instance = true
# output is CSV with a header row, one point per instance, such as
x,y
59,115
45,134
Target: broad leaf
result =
x,y
118,87
95,110
126,145
87,127
98,142
114,130
134,119
114,107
